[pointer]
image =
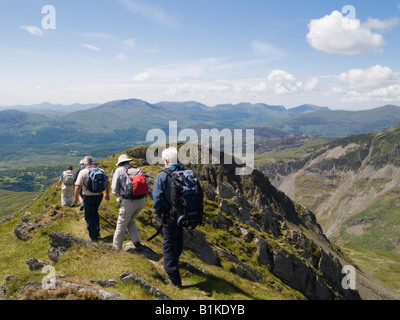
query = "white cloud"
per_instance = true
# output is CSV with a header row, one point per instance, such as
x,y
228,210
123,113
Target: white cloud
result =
x,y
311,84
284,83
141,77
149,11
376,83
129,42
91,47
380,25
371,77
121,56
33,30
336,34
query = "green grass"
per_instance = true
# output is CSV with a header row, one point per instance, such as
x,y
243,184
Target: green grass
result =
x,y
381,226
11,201
381,265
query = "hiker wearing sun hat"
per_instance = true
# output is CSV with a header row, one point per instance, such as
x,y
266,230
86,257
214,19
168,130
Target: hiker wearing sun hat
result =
x,y
130,185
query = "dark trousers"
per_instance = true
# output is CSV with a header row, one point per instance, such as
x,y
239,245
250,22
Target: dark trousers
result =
x,y
172,247
91,205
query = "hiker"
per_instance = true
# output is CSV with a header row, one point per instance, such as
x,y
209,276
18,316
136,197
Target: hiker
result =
x,y
81,166
173,235
67,187
130,204
92,181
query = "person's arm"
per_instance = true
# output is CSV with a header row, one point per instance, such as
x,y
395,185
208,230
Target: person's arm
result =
x,y
58,183
115,186
158,196
78,187
76,194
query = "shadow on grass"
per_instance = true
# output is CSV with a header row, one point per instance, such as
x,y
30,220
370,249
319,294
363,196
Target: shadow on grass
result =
x,y
214,285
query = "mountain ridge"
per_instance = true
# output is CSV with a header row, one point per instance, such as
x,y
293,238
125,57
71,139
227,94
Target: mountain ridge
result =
x,y
265,245
350,183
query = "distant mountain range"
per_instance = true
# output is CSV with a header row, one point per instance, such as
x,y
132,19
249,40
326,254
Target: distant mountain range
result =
x,y
49,109
78,129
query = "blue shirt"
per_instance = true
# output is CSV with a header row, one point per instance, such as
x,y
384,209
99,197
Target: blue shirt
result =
x,y
162,191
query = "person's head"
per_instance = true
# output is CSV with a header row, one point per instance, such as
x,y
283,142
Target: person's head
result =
x,y
82,163
88,161
69,167
170,156
123,159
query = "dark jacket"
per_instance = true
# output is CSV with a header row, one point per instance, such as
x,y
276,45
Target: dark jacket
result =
x,y
162,192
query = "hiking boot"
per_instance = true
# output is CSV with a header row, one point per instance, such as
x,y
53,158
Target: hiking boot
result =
x,y
138,246
81,208
178,285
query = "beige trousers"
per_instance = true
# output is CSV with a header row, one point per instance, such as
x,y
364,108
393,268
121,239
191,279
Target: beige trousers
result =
x,y
67,193
128,211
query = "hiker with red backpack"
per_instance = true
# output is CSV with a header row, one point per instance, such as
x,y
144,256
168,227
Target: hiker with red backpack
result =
x,y
67,186
129,183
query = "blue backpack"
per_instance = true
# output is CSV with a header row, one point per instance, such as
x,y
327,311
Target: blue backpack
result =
x,y
97,180
186,197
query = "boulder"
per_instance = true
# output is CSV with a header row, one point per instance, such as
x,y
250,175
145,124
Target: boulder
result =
x,y
195,241
36,265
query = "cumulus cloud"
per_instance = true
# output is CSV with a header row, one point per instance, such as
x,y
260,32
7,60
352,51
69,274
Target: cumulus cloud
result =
x,y
284,83
141,77
371,77
33,30
336,34
376,83
311,84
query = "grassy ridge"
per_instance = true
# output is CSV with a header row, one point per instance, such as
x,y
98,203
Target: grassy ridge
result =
x,y
101,264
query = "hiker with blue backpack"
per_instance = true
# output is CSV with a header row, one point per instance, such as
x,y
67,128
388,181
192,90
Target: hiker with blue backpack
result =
x,y
92,181
178,201
130,184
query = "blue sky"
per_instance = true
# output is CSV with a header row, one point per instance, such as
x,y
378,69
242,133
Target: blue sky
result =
x,y
222,51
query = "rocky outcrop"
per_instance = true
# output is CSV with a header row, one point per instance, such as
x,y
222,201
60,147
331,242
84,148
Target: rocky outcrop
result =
x,y
195,241
128,277
60,242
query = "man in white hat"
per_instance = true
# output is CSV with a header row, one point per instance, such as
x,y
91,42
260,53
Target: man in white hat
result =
x,y
130,206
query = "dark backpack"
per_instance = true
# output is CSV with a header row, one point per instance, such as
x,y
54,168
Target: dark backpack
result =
x,y
186,198
97,180
136,187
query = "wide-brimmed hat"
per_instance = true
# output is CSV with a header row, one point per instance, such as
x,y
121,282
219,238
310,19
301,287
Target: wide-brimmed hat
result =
x,y
123,158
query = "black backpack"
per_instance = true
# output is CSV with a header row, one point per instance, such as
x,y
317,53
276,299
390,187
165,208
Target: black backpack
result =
x,y
186,198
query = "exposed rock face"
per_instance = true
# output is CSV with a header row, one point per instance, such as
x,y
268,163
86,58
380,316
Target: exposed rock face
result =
x,y
307,263
195,241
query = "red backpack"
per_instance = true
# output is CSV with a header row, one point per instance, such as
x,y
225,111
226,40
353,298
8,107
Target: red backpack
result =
x,y
137,187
